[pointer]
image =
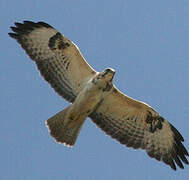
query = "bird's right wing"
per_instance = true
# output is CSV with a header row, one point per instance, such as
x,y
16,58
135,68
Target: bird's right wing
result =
x,y
137,125
58,59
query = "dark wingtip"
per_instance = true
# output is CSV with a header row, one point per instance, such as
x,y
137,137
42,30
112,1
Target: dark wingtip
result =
x,y
38,24
44,24
26,27
17,24
173,166
29,22
177,133
179,152
13,35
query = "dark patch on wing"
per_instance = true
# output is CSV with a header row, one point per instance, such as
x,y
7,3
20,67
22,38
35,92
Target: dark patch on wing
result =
x,y
57,41
155,122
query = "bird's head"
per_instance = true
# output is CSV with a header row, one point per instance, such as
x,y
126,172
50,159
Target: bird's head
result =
x,y
104,79
108,74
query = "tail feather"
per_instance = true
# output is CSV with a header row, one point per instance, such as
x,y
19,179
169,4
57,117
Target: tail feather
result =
x,y
63,129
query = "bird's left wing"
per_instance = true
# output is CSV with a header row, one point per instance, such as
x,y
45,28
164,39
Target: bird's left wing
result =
x,y
137,125
58,59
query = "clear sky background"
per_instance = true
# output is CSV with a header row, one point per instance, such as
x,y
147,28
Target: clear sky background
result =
x,y
146,42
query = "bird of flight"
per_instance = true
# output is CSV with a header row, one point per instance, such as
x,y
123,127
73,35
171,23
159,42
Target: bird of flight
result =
x,y
92,94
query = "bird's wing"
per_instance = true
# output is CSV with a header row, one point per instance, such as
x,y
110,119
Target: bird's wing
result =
x,y
58,59
137,125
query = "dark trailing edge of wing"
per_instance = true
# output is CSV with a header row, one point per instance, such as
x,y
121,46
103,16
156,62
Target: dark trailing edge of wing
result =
x,y
51,78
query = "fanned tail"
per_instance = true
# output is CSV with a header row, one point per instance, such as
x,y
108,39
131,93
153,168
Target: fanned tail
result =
x,y
63,129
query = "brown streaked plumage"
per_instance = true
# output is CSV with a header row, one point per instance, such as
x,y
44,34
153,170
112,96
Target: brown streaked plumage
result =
x,y
92,94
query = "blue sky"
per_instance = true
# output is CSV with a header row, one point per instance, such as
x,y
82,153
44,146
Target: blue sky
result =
x,y
146,42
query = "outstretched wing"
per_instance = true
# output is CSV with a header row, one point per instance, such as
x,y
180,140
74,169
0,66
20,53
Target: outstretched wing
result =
x,y
58,59
137,125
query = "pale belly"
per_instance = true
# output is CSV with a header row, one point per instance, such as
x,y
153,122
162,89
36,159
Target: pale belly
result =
x,y
86,102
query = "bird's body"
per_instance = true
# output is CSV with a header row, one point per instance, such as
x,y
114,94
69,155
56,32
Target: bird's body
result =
x,y
88,99
94,95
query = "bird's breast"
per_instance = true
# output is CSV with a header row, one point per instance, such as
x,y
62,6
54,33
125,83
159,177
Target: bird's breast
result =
x,y
88,99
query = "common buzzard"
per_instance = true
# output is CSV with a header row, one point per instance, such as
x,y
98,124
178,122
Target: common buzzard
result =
x,y
93,94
